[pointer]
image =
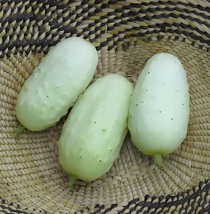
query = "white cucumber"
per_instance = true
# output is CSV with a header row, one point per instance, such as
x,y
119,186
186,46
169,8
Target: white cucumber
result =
x,y
159,110
95,129
62,75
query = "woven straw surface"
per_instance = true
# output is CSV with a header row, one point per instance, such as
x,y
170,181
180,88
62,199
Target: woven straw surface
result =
x,y
126,34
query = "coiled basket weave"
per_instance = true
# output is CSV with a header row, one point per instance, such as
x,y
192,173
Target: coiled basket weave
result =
x,y
126,34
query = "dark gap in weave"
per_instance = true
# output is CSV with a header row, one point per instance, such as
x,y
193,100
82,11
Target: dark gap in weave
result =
x,y
98,207
43,43
6,1
154,212
162,3
93,39
166,24
170,201
167,8
57,26
173,212
104,6
91,13
55,3
142,11
141,204
40,42
11,18
88,6
5,212
85,210
159,16
193,205
98,1
205,210
115,43
181,198
95,30
18,16
109,209
191,211
165,199
4,208
191,34
53,21
112,20
203,187
133,208
85,1
34,7
66,29
172,24
61,6
91,6
45,19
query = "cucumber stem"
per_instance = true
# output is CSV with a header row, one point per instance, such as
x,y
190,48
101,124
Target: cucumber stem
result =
x,y
158,159
72,180
19,130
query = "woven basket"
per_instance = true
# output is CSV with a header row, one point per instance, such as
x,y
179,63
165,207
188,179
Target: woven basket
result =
x,y
126,34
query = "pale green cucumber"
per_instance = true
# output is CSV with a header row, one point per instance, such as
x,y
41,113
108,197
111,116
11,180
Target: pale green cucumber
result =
x,y
93,134
159,110
63,74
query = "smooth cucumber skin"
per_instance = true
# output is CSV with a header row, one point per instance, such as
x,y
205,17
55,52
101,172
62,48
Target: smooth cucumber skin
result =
x,y
159,110
62,75
95,129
